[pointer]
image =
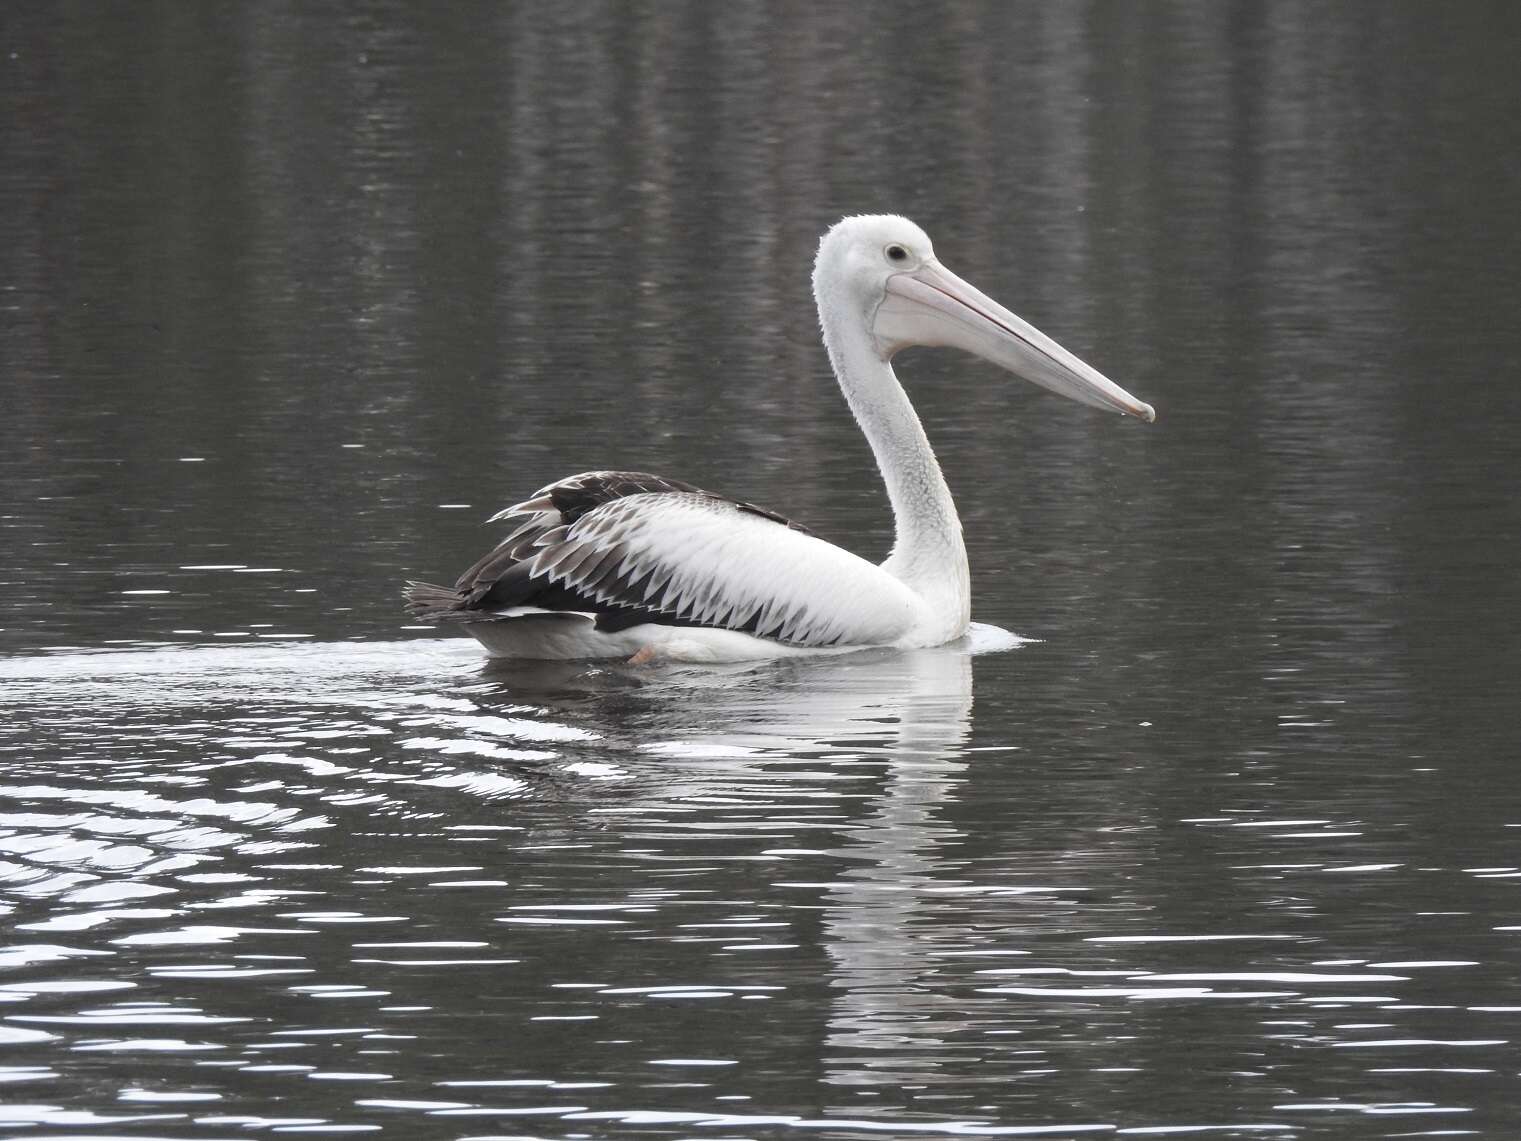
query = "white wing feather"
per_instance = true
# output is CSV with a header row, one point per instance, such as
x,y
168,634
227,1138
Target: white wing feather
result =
x,y
706,560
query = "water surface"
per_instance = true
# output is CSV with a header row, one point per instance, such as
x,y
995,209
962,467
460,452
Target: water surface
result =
x,y
291,298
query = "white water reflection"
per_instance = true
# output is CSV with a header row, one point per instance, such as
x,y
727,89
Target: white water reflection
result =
x,y
877,925
899,721
254,735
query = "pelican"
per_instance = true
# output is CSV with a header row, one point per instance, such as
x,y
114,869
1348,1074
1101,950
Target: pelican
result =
x,y
630,565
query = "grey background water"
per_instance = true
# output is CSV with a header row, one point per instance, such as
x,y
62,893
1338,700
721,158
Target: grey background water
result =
x,y
292,296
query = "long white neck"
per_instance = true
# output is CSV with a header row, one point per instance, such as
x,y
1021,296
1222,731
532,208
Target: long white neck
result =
x,y
928,553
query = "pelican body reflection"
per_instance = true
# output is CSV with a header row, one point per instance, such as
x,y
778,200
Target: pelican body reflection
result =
x,y
896,723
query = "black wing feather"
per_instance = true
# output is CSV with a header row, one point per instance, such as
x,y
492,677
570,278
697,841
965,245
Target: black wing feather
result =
x,y
579,494
503,577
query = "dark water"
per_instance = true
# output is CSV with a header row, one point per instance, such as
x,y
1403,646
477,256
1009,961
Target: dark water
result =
x,y
292,296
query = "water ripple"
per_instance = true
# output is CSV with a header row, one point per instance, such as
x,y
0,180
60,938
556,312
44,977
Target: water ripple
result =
x,y
670,882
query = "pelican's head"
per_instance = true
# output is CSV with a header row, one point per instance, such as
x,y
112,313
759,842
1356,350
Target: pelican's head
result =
x,y
881,269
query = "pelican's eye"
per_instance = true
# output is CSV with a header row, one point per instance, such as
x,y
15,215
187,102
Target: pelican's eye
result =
x,y
897,253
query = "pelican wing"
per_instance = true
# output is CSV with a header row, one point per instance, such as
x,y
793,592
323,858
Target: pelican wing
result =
x,y
625,548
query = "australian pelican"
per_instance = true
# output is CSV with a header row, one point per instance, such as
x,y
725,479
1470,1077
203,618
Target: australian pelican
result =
x,y
621,564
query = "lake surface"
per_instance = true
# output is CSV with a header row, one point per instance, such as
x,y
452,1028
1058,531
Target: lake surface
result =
x,y
1226,843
